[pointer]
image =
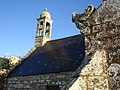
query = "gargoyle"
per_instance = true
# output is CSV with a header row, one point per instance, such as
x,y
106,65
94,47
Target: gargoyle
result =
x,y
85,19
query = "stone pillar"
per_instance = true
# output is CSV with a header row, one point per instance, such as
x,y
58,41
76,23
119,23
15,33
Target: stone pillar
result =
x,y
105,36
44,28
102,41
50,31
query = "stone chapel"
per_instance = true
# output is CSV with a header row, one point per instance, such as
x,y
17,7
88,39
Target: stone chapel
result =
x,y
87,61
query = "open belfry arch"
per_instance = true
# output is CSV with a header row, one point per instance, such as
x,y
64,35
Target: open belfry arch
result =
x,y
44,28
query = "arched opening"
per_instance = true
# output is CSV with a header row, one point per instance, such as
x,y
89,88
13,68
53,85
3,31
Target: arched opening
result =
x,y
40,31
47,29
41,24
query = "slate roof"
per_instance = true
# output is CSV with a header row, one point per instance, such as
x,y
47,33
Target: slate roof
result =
x,y
55,56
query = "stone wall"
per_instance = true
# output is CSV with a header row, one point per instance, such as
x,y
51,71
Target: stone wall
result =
x,y
37,82
108,10
93,76
103,71
102,42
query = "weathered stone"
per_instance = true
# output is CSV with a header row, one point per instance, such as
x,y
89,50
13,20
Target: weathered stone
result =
x,y
100,69
102,42
85,19
37,82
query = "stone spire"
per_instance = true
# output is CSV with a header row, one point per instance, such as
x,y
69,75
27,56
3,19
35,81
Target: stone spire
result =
x,y
44,28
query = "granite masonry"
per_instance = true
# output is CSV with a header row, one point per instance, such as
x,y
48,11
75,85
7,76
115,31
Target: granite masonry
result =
x,y
100,68
103,46
38,82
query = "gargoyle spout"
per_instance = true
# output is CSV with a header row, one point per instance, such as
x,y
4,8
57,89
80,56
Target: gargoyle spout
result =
x,y
83,20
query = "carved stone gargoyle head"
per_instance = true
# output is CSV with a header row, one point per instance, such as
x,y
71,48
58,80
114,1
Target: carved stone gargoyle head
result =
x,y
83,20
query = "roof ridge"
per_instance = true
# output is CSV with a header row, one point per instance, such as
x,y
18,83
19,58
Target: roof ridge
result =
x,y
64,38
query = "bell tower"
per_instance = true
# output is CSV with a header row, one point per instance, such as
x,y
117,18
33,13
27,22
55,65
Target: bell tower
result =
x,y
44,29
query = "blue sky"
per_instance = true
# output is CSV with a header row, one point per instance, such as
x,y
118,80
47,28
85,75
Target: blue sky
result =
x,y
18,21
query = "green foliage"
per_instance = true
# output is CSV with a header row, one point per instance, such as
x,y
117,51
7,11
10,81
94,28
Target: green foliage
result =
x,y
4,63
